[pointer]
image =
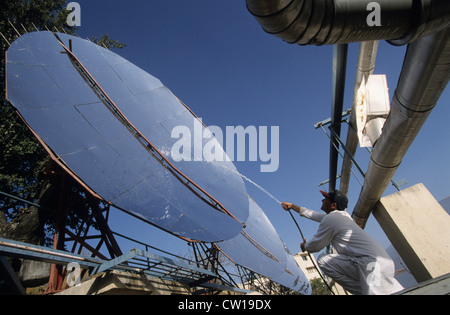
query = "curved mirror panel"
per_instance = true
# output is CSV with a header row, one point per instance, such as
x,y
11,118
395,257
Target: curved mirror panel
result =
x,y
61,105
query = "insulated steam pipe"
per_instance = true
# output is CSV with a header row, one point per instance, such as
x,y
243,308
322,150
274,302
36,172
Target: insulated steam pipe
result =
x,y
366,65
425,74
322,22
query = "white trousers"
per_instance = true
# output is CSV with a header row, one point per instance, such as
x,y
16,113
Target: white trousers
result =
x,y
360,276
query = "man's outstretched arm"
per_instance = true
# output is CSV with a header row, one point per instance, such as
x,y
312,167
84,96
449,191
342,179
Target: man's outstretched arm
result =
x,y
304,212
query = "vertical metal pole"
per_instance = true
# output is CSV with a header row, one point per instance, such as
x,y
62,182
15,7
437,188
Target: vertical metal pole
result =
x,y
56,272
340,53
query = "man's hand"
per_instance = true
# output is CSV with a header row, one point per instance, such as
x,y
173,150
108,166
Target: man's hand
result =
x,y
302,245
290,206
287,205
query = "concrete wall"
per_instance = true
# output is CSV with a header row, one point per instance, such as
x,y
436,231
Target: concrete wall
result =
x,y
419,229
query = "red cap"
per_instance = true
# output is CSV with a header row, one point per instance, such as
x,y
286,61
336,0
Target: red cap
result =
x,y
325,194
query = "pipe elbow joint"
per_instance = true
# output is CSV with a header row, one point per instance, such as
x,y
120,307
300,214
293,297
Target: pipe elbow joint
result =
x,y
328,22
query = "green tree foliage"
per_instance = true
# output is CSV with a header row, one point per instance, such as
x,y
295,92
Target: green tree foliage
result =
x,y
319,287
25,168
106,41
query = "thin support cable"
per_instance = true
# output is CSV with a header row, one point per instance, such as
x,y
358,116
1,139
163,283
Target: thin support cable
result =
x,y
340,153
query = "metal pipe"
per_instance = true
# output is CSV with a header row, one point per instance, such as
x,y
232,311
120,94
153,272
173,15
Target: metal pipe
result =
x,y
324,22
366,65
425,74
340,53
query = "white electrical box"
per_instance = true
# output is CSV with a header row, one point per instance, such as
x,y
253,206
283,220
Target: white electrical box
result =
x,y
372,109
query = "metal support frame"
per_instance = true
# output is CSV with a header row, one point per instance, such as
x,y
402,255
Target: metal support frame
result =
x,y
328,121
206,271
12,248
167,268
254,282
209,258
250,281
63,235
56,278
135,261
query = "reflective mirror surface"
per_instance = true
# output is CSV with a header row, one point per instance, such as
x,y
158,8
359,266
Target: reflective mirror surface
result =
x,y
60,105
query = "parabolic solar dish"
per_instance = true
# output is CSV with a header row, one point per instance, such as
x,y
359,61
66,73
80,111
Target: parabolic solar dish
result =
x,y
111,125
68,101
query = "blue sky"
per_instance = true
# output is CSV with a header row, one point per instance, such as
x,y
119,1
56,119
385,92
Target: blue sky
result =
x,y
215,57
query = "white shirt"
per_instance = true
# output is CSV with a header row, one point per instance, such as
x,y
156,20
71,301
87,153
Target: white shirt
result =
x,y
347,238
375,267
